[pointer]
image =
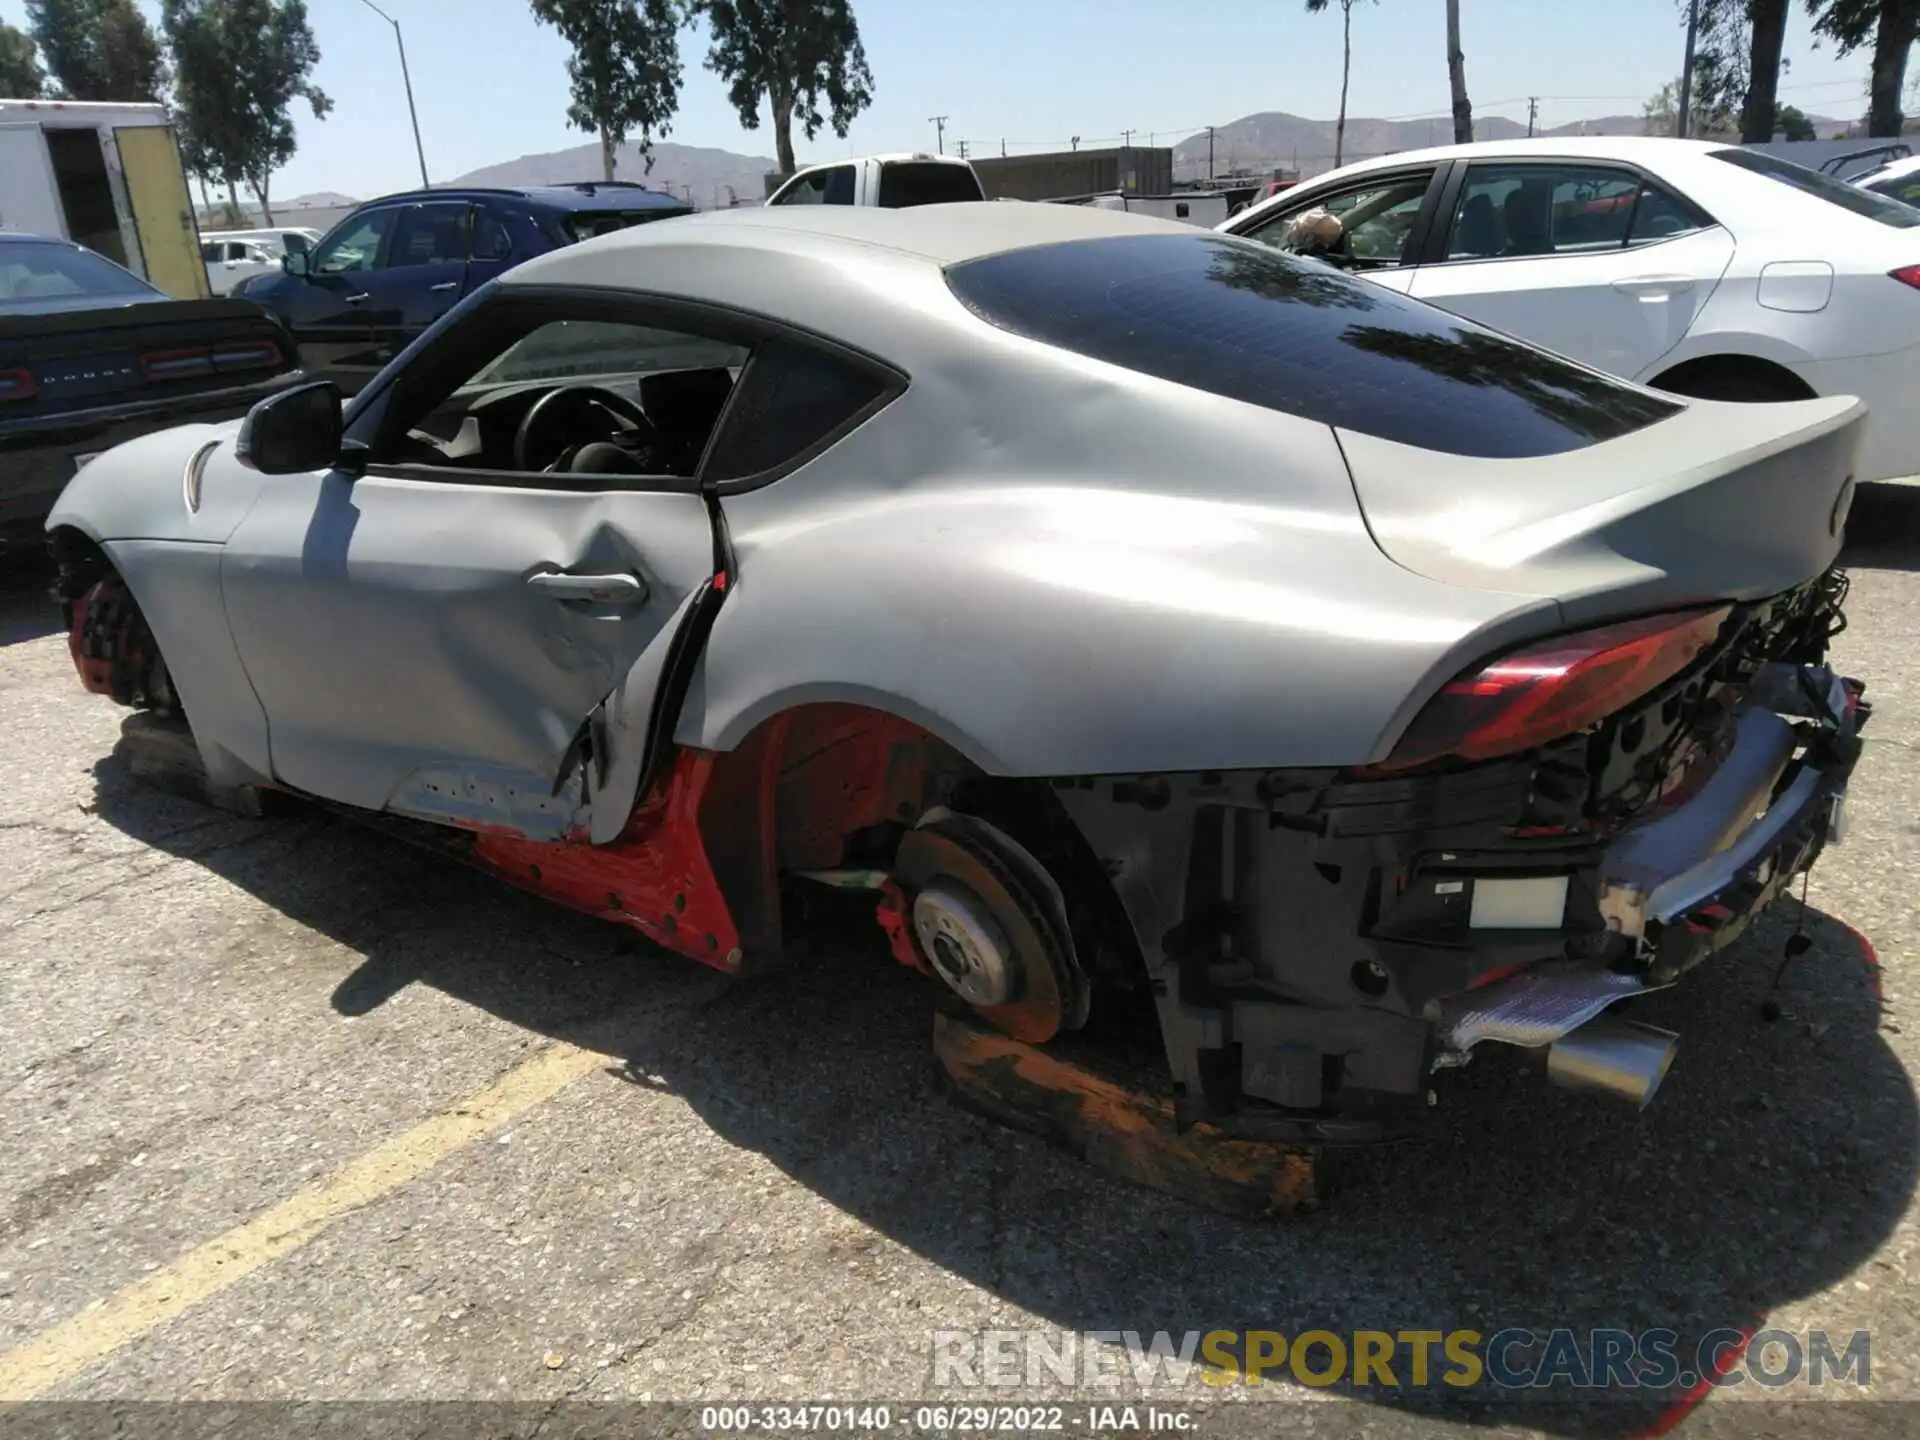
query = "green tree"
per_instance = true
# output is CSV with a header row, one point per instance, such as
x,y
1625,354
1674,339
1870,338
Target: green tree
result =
x,y
1790,123
625,68
241,65
804,57
1712,118
21,77
98,49
1891,27
1314,7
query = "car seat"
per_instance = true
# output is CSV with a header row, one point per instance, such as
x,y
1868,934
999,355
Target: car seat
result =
x,y
1478,234
1529,231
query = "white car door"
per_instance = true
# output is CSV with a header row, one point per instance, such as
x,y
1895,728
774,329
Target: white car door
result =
x,y
1593,260
1379,215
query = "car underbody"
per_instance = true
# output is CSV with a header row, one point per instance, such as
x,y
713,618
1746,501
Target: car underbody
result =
x,y
1318,945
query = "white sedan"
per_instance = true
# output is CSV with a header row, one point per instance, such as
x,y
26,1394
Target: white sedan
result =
x,y
1703,269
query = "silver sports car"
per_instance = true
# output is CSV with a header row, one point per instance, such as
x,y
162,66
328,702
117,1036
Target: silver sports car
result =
x,y
1161,625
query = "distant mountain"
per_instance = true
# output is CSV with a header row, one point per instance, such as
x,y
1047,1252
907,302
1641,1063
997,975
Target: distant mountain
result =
x,y
319,200
694,169
1275,140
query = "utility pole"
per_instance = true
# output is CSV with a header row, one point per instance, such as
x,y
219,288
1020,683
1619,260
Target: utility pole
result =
x,y
1075,143
407,80
939,123
1003,147
963,149
1209,152
1126,138
1683,121
1533,110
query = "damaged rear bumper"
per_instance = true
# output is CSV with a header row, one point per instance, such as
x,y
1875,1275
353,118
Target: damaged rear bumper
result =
x,y
1320,944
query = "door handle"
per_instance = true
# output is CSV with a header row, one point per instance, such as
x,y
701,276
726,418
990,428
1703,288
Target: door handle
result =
x,y
601,589
356,299
1654,287
445,285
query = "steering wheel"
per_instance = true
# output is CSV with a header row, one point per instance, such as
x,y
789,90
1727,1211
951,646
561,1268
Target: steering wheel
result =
x,y
572,403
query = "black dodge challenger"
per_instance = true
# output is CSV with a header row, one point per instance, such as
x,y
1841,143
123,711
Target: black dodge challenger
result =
x,y
91,355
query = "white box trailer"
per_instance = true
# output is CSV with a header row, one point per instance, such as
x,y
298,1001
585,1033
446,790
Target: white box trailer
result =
x,y
108,177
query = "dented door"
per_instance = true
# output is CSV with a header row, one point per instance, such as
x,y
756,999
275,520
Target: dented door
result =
x,y
450,651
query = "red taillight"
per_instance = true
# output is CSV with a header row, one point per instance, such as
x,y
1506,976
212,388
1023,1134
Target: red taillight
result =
x,y
17,385
1907,275
162,365
1554,688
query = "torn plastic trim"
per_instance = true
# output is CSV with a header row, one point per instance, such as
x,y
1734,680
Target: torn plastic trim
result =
x,y
1743,825
1529,1010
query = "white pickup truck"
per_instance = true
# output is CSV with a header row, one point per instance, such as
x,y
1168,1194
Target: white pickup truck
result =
x,y
892,182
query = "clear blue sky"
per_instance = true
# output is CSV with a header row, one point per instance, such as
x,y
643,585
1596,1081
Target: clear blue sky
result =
x,y
491,84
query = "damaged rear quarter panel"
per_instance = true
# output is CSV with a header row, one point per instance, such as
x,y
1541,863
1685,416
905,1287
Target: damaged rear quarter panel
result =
x,y
1057,599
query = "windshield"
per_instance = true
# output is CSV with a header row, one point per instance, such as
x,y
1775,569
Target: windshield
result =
x,y
33,270
1235,318
1823,187
926,183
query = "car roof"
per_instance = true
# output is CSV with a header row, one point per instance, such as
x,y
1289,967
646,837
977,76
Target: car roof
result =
x,y
1892,170
939,234
573,196
27,237
1629,148
890,157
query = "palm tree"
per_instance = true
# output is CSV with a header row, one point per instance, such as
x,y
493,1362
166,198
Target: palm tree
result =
x,y
1457,77
1314,7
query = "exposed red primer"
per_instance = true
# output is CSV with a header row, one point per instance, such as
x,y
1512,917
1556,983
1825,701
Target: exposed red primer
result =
x,y
1675,1414
892,915
656,878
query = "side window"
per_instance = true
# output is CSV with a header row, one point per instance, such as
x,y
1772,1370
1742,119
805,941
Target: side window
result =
x,y
1661,215
1906,190
429,235
213,254
1516,211
839,186
490,238
791,398
354,246
807,190
1376,220
517,393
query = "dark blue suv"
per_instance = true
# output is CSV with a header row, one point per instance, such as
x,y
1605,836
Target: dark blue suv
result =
x,y
397,264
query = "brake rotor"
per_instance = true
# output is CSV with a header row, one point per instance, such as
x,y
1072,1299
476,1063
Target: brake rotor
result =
x,y
986,934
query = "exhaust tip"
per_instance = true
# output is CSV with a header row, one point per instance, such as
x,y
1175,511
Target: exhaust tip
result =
x,y
1614,1057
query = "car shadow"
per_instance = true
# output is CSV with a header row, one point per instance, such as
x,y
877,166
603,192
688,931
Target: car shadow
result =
x,y
1776,1161
27,612
1883,528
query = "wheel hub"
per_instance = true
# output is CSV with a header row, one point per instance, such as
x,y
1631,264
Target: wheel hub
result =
x,y
981,924
964,945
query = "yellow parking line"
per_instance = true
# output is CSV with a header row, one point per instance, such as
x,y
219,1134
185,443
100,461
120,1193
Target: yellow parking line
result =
x,y
58,1354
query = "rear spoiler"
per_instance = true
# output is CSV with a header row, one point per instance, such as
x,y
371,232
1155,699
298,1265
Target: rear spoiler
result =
x,y
130,317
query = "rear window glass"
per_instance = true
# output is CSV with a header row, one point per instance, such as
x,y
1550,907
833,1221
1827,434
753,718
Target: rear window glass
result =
x,y
31,270
1823,187
902,186
1286,333
585,225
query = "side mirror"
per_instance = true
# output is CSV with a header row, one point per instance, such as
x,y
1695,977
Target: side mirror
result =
x,y
293,432
294,262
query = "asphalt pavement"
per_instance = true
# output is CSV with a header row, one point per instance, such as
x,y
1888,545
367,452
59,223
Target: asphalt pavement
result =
x,y
292,1112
